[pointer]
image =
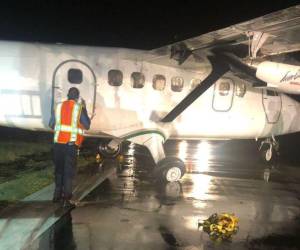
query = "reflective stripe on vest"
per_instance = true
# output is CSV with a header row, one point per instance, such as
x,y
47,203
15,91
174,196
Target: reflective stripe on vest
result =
x,y
73,129
57,121
75,118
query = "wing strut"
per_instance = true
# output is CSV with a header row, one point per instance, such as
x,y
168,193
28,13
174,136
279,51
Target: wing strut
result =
x,y
219,68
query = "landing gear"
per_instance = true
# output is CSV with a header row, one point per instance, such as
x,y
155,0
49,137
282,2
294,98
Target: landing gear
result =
x,y
109,150
169,169
269,150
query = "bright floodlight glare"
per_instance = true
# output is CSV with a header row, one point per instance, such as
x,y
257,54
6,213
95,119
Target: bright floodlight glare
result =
x,y
131,149
201,193
182,150
202,156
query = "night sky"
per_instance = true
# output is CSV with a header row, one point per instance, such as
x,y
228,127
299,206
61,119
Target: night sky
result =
x,y
132,24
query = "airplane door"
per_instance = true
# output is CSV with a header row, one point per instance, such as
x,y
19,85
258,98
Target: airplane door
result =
x,y
272,105
75,73
223,95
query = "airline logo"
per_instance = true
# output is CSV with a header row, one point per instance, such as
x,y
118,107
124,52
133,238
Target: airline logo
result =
x,y
289,76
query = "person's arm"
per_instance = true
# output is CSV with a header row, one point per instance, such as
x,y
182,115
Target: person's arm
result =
x,y
84,119
52,120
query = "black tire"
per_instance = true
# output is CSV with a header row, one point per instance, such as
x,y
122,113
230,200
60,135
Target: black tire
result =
x,y
163,168
106,152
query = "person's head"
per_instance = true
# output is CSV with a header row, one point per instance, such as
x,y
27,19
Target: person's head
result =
x,y
73,94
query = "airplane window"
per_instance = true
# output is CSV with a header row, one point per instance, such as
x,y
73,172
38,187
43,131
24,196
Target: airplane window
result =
x,y
177,83
195,82
224,88
75,76
159,82
240,89
137,80
271,93
115,77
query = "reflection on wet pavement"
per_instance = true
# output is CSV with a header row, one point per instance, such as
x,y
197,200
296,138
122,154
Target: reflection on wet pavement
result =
x,y
131,211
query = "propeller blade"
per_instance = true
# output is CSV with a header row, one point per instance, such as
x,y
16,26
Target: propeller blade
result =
x,y
219,68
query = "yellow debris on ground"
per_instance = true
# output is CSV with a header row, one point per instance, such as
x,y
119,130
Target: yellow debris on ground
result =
x,y
220,227
98,158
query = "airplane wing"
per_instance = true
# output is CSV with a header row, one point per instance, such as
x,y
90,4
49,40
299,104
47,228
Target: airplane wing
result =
x,y
256,40
272,34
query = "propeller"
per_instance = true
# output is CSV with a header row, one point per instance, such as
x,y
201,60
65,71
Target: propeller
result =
x,y
219,68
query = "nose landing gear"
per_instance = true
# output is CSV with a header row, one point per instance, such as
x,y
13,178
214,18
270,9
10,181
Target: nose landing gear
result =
x,y
269,150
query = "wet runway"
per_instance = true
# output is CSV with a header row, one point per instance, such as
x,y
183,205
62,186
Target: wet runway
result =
x,y
131,211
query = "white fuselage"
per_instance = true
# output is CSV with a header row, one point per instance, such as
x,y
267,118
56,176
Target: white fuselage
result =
x,y
35,76
280,76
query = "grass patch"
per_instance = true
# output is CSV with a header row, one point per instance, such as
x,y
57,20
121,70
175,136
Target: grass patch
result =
x,y
85,162
12,151
26,184
26,164
35,175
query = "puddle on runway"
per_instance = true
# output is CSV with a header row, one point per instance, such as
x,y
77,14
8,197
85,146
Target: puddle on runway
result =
x,y
131,210
58,237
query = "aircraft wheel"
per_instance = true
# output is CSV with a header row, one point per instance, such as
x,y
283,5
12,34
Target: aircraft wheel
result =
x,y
108,152
170,169
268,154
173,189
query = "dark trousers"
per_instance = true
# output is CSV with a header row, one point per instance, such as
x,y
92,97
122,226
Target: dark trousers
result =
x,y
64,157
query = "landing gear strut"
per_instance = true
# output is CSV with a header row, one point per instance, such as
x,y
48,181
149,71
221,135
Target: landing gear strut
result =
x,y
167,169
269,149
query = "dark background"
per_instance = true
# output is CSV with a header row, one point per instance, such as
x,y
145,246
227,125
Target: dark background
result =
x,y
132,24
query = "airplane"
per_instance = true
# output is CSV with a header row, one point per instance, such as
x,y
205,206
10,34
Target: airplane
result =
x,y
230,83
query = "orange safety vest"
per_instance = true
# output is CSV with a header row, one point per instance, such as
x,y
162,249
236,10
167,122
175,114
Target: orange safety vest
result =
x,y
67,123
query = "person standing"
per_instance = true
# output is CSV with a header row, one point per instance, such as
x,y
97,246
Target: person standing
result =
x,y
69,120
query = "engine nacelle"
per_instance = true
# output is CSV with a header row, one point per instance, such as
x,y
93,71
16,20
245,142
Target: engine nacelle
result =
x,y
284,77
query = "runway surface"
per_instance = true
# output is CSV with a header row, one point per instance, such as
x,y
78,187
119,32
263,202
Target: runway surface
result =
x,y
131,211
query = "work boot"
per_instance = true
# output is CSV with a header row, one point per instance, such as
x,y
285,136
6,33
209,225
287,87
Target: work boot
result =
x,y
57,196
56,199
